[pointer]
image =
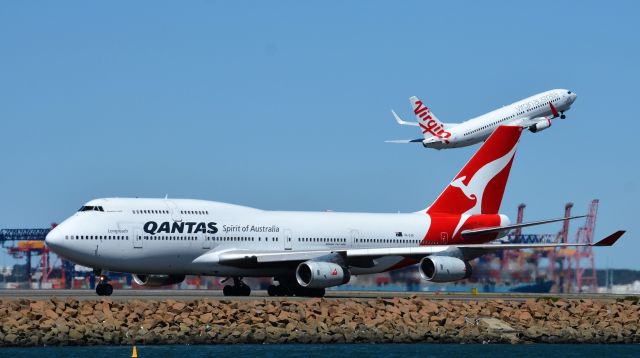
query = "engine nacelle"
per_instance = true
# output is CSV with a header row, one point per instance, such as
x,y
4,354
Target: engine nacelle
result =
x,y
320,274
540,126
157,280
444,269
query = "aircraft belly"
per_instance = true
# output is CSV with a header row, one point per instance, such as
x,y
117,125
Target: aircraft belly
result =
x,y
151,260
381,264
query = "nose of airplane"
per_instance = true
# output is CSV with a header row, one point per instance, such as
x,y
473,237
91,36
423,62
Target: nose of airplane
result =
x,y
54,238
572,96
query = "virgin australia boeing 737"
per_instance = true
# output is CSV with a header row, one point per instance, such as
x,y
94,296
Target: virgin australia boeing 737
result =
x,y
162,240
534,113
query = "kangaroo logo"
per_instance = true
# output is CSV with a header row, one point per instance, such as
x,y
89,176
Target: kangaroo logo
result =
x,y
459,183
478,183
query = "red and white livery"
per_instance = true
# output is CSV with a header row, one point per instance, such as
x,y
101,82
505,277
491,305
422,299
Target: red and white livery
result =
x,y
162,240
533,113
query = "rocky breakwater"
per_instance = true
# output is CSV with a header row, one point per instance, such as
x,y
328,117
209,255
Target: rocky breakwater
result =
x,y
73,322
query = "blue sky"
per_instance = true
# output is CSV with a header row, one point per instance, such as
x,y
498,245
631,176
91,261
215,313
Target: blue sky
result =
x,y
285,105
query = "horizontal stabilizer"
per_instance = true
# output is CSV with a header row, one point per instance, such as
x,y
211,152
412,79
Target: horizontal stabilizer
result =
x,y
404,141
489,230
611,239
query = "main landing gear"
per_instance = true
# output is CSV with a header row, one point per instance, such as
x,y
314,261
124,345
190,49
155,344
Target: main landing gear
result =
x,y
103,288
238,288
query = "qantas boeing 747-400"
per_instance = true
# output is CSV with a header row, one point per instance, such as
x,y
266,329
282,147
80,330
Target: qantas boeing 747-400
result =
x,y
534,113
162,240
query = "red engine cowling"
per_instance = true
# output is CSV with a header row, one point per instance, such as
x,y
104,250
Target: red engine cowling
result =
x,y
540,126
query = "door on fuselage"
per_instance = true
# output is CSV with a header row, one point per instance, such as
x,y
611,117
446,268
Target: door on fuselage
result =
x,y
173,209
206,244
444,238
137,239
355,234
287,237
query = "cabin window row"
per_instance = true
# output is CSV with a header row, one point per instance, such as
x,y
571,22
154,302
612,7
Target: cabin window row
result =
x,y
387,241
96,237
172,238
186,212
322,239
150,211
194,212
241,238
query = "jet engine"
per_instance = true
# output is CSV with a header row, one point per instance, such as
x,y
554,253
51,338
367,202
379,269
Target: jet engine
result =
x,y
320,274
444,269
157,280
540,126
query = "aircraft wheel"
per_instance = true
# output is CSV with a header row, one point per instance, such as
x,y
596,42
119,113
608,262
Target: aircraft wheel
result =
x,y
228,290
272,290
310,292
104,289
563,116
244,290
108,289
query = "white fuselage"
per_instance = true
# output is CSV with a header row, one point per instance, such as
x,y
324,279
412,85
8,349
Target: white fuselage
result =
x,y
119,237
524,113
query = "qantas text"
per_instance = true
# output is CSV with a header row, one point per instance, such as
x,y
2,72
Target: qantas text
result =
x,y
152,227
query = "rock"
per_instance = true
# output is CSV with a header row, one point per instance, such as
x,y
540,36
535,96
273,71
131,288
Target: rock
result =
x,y
524,316
206,318
178,306
74,334
37,306
10,338
51,314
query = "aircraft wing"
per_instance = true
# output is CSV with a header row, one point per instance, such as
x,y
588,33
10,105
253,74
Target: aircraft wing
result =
x,y
528,122
354,256
489,230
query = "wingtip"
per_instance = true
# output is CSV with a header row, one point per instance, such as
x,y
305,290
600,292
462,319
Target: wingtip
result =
x,y
611,239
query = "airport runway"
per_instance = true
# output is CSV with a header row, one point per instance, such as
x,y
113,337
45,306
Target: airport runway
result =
x,y
185,295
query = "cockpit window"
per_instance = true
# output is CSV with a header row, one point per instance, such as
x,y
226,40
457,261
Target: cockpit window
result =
x,y
569,92
91,208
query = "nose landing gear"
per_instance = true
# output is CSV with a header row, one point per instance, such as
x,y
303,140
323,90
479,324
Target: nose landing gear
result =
x,y
562,116
238,288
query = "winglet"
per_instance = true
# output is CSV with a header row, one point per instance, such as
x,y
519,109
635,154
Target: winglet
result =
x,y
403,122
611,239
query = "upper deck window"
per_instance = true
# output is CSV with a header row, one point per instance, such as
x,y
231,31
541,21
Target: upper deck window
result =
x,y
91,208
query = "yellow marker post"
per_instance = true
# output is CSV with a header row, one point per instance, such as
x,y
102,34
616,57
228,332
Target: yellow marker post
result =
x,y
474,291
134,353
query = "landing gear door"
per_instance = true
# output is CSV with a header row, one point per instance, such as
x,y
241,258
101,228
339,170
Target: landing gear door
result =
x,y
137,239
287,237
173,209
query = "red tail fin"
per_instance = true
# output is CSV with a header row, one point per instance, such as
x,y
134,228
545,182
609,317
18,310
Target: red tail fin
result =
x,y
479,187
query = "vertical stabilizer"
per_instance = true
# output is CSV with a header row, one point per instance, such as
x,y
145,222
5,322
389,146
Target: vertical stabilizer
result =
x,y
430,124
479,187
